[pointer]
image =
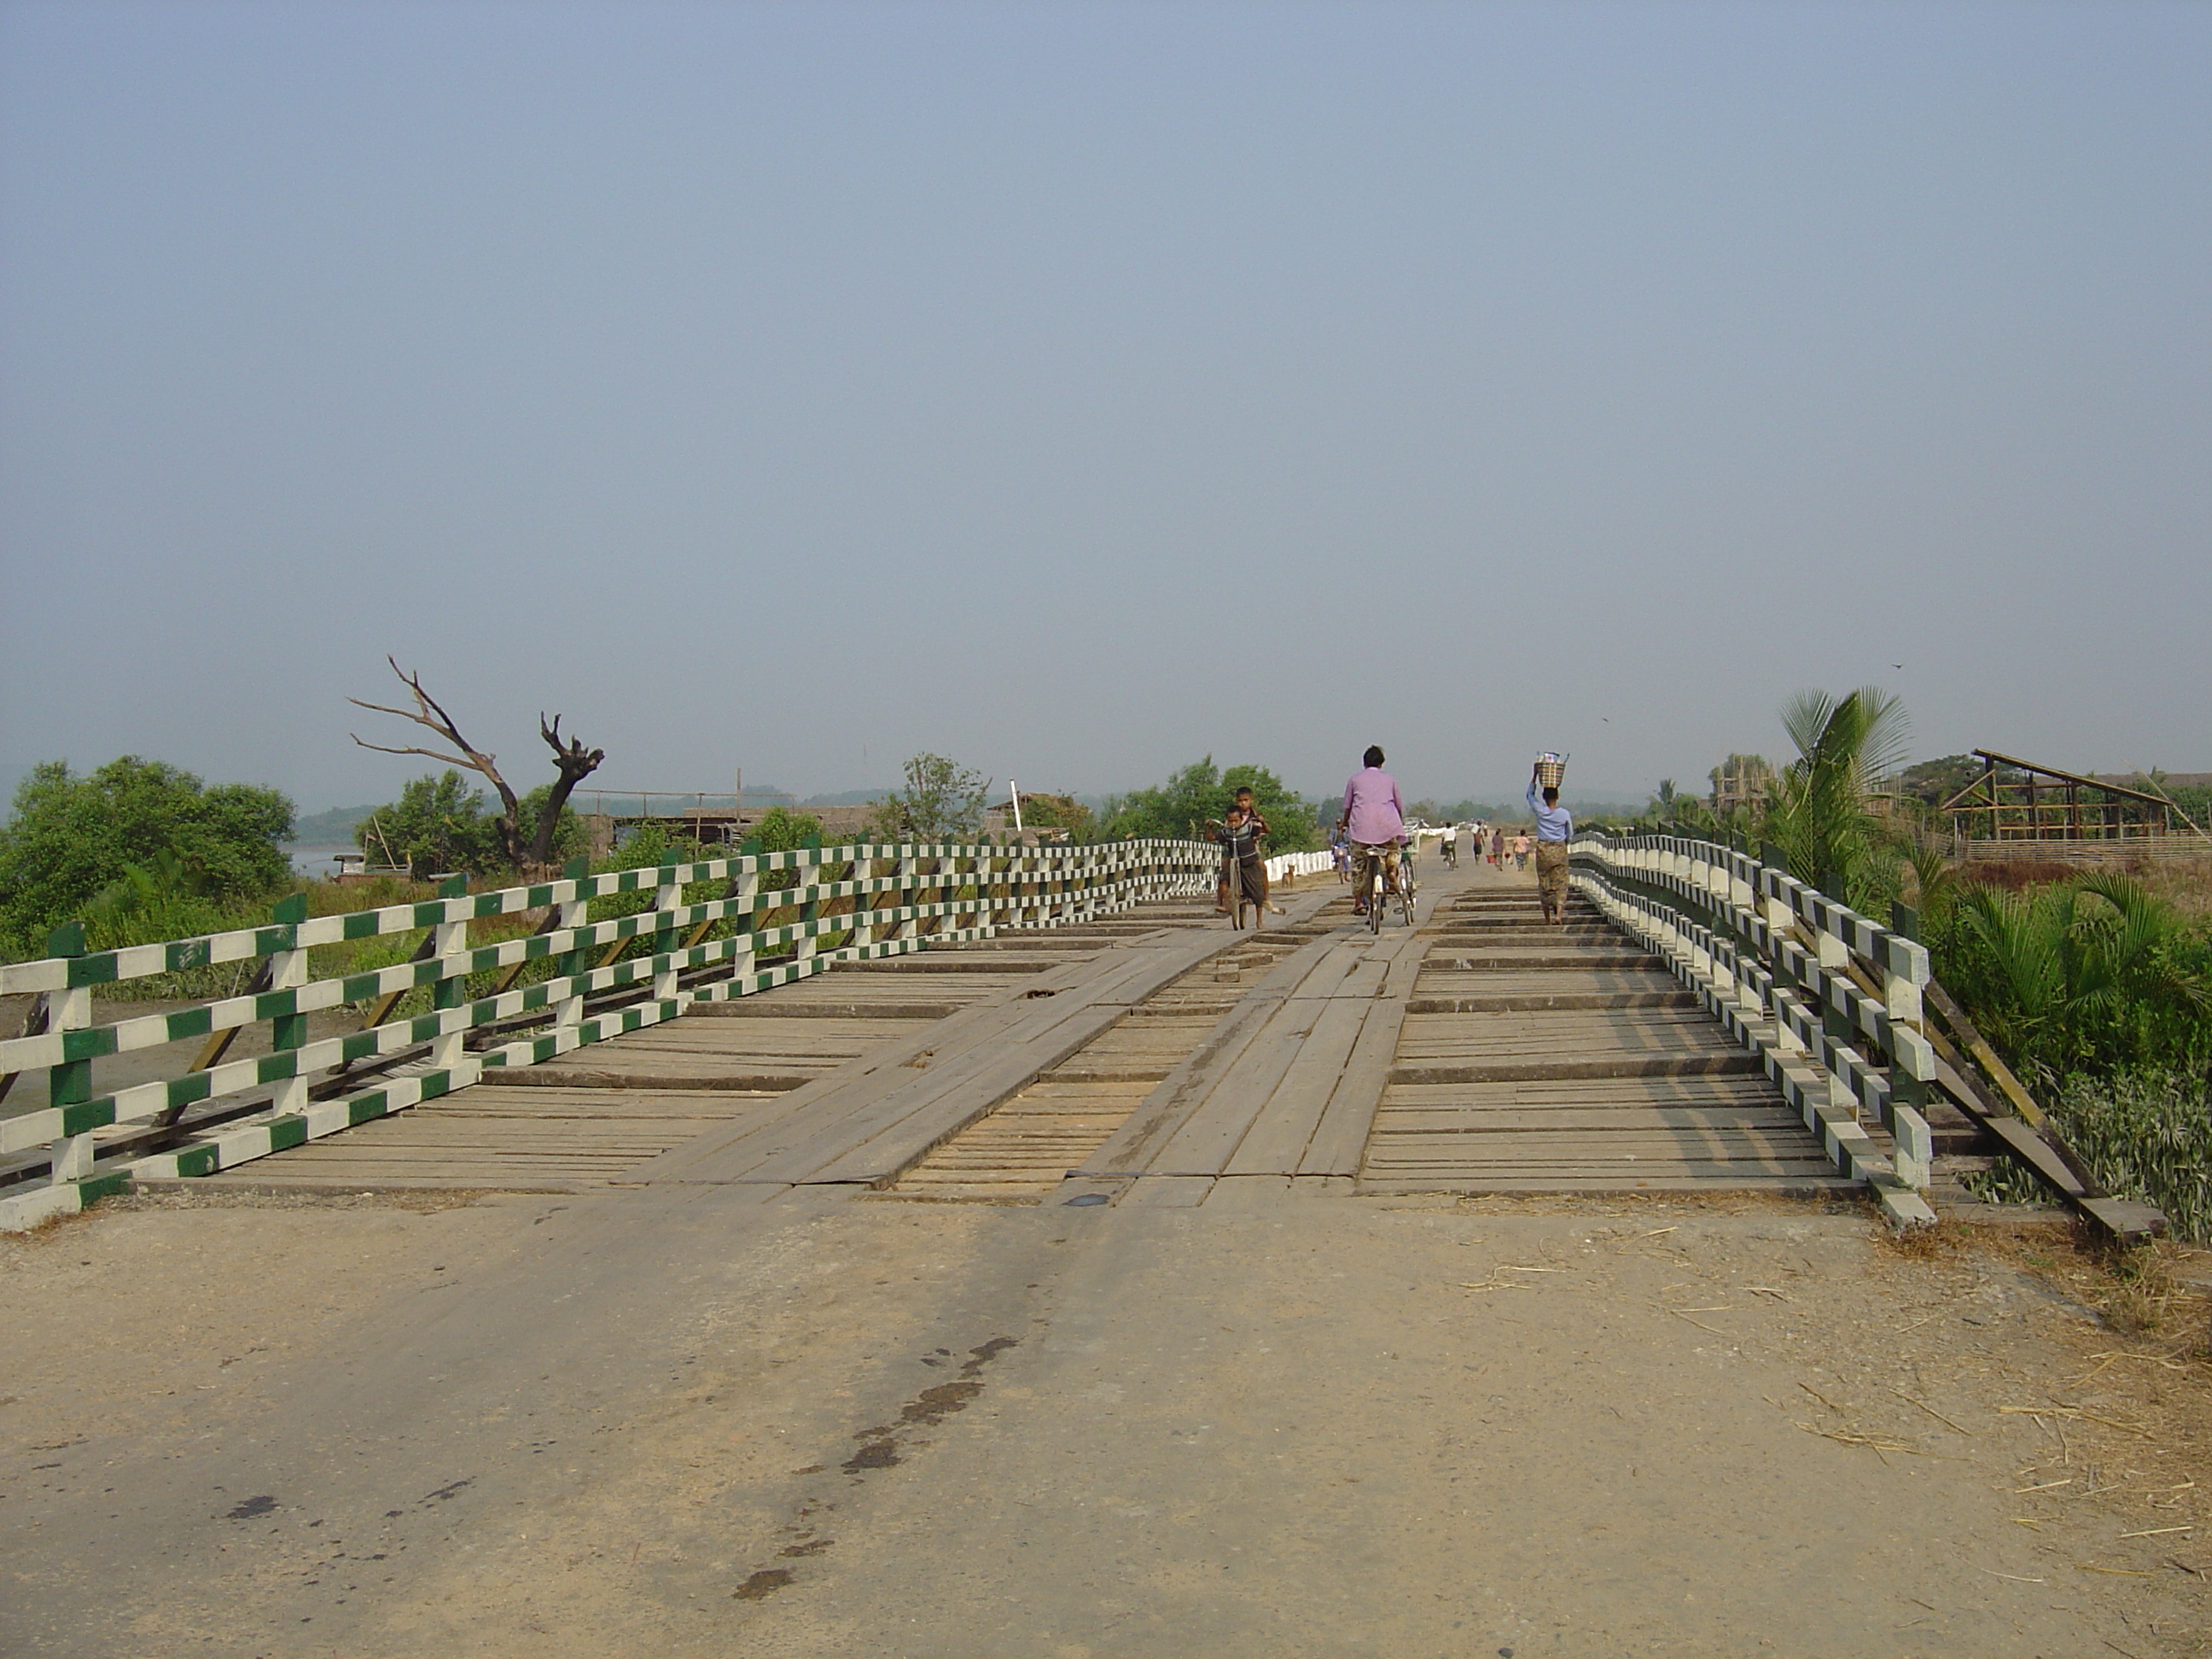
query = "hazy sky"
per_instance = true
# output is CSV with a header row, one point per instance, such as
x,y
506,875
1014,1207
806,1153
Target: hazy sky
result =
x,y
1076,389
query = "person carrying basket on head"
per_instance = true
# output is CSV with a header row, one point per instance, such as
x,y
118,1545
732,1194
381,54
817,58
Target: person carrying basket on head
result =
x,y
1374,820
1555,828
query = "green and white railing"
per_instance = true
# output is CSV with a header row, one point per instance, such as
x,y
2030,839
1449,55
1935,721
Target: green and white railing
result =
x,y
1830,1000
602,978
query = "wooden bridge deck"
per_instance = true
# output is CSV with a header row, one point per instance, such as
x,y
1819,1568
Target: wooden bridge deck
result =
x,y
592,1117
1539,1059
1143,1058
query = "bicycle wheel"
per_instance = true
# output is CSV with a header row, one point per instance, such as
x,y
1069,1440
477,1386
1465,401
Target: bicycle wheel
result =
x,y
1405,891
1371,882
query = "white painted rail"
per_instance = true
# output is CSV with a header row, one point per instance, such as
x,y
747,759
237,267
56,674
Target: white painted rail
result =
x,y
1830,1000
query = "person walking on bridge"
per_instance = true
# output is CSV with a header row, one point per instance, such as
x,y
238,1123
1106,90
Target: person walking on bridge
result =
x,y
1374,819
1555,827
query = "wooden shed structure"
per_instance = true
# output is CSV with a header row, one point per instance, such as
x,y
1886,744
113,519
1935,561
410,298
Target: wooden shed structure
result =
x,y
2017,800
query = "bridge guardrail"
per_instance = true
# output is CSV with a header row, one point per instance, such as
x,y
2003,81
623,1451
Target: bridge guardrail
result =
x,y
1287,866
882,900
1830,1000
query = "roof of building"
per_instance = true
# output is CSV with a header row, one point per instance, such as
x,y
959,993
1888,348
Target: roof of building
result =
x,y
2172,780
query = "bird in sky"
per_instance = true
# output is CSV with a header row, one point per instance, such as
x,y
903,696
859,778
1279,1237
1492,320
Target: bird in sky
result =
x,y
1897,664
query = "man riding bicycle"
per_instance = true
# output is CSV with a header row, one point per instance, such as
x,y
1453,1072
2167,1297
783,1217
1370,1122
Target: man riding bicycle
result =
x,y
1374,820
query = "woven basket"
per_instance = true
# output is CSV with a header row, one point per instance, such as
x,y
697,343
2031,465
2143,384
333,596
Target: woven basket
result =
x,y
1550,774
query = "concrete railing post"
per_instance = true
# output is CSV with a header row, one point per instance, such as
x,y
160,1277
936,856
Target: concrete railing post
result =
x,y
287,971
571,913
68,1082
449,939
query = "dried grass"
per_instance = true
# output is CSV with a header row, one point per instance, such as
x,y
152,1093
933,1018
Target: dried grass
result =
x,y
2185,883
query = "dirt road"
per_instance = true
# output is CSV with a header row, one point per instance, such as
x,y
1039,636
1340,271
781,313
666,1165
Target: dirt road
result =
x,y
1290,1421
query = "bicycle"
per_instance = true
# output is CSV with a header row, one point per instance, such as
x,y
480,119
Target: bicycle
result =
x,y
1376,898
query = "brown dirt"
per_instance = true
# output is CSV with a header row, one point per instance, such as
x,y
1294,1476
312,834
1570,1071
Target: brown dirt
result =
x,y
2014,1428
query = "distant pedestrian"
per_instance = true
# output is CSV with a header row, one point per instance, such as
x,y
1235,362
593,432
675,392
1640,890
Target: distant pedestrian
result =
x,y
1521,851
1497,847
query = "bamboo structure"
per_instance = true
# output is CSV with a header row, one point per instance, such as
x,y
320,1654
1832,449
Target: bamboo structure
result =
x,y
2014,801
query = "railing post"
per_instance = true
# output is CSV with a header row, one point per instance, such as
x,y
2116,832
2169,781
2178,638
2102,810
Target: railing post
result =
x,y
449,939
287,971
666,896
902,866
68,1082
745,895
810,910
569,1012
1912,1073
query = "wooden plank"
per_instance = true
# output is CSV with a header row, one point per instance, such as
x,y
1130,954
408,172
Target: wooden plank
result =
x,y
1536,958
1683,1065
1808,1183
1239,1095
1593,1146
1539,1091
730,1154
1364,982
1167,1192
1341,1138
1171,1101
1622,1120
1277,1141
1403,962
1476,1002
894,1005
1210,1135
895,1134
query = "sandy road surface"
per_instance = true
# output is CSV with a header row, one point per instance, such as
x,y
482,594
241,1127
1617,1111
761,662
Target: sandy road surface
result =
x,y
1285,1422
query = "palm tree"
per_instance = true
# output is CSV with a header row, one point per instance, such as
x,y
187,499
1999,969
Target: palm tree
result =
x,y
1816,809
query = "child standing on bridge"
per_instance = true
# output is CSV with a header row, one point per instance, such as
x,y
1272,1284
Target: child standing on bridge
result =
x,y
1243,873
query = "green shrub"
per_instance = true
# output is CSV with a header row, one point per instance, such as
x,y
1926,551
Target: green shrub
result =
x,y
1177,810
438,824
2144,1135
2093,975
72,840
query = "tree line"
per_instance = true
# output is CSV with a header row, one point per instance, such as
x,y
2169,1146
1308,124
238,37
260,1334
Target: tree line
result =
x,y
140,850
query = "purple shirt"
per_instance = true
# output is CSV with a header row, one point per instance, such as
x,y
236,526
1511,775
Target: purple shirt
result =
x,y
1370,801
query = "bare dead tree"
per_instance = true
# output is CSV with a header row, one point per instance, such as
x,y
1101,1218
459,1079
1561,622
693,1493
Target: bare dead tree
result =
x,y
572,764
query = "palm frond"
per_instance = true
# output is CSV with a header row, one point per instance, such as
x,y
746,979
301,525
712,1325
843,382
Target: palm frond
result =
x,y
1805,716
1884,731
